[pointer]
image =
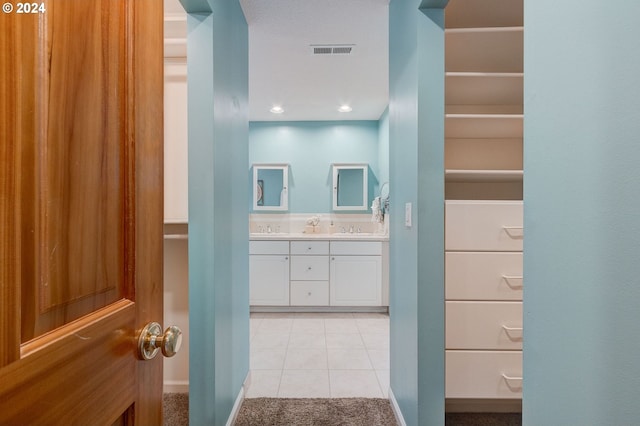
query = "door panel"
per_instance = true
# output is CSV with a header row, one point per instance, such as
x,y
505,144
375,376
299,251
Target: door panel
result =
x,y
80,211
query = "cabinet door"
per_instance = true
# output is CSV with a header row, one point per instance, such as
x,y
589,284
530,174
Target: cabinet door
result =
x,y
269,280
355,281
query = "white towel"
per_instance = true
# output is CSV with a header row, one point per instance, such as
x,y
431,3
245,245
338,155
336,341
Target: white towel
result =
x,y
377,215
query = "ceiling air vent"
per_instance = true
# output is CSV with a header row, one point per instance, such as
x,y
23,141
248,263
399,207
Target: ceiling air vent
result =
x,y
322,51
332,49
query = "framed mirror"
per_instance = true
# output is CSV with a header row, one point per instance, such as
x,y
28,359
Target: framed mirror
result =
x,y
271,187
350,188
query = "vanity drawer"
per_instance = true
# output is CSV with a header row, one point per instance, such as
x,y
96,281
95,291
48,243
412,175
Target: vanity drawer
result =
x,y
309,293
310,247
483,276
269,247
361,248
310,268
483,225
483,374
484,325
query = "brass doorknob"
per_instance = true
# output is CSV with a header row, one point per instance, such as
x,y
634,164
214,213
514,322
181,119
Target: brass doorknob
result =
x,y
152,340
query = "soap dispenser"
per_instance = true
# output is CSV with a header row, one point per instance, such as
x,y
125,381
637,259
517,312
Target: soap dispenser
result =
x,y
332,228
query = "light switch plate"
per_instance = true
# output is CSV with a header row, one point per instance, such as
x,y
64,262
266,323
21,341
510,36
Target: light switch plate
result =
x,y
407,215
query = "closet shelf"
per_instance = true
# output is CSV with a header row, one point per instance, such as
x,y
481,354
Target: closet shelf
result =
x,y
483,126
498,51
477,74
487,116
459,175
476,30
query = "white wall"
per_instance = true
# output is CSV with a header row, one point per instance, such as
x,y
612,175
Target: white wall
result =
x,y
176,311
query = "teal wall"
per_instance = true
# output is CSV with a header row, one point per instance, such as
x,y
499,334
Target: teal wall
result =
x,y
218,188
416,141
582,213
383,147
310,147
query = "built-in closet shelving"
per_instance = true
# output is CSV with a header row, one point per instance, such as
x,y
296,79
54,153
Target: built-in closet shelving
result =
x,y
484,99
483,206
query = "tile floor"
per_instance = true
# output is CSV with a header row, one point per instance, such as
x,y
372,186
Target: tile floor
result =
x,y
319,355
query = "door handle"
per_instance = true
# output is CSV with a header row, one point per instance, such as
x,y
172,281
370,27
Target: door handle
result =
x,y
152,340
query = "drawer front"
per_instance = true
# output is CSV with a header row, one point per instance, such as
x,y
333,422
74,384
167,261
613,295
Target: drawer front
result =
x,y
310,268
309,293
483,276
483,374
310,247
269,247
356,248
484,325
483,226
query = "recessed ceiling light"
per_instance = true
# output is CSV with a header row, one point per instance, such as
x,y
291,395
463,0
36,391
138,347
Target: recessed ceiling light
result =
x,y
345,108
277,109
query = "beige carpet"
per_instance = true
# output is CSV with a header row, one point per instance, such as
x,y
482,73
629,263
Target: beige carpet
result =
x,y
175,409
319,412
315,412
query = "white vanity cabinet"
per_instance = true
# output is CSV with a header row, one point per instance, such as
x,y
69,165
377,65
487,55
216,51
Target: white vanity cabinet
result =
x,y
269,273
318,273
355,273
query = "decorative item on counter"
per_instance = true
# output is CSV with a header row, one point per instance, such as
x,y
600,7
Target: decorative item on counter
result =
x,y
312,222
377,214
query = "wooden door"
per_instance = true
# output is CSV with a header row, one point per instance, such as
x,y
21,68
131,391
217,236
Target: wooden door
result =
x,y
80,211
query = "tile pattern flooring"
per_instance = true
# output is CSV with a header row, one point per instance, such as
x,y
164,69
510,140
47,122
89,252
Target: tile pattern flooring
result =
x,y
319,355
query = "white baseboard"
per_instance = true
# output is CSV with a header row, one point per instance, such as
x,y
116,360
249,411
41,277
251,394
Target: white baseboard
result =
x,y
239,399
396,409
175,386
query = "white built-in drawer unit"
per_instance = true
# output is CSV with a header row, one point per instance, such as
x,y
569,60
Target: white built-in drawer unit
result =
x,y
483,275
484,325
483,290
483,374
483,225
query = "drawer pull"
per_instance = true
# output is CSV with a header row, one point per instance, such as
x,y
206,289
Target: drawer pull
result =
x,y
514,382
514,232
509,278
510,330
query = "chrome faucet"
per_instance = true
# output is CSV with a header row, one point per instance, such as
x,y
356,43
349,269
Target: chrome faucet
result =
x,y
351,229
268,229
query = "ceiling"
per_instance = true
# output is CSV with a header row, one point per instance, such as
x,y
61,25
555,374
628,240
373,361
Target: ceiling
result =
x,y
284,71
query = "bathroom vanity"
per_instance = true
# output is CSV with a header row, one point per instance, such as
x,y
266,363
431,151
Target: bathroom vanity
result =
x,y
319,271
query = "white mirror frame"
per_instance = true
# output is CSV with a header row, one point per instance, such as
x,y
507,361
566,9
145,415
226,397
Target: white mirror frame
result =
x,y
284,197
365,187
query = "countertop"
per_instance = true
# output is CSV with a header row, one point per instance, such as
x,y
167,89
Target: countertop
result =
x,y
338,236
